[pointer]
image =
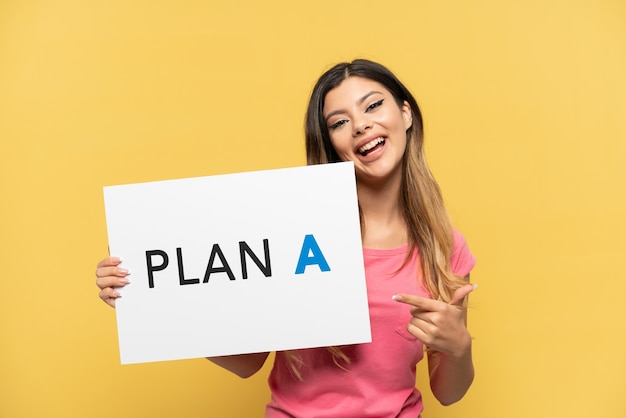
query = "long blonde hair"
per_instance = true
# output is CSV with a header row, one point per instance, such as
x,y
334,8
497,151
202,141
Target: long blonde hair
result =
x,y
428,224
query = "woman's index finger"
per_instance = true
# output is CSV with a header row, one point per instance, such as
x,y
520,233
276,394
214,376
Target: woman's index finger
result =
x,y
109,261
419,302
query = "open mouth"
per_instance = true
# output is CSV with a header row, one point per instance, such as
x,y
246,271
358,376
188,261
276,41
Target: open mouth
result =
x,y
371,146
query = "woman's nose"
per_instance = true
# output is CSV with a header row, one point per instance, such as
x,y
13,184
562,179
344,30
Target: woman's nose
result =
x,y
361,125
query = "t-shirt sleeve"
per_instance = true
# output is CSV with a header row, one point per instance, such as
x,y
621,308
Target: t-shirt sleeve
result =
x,y
462,261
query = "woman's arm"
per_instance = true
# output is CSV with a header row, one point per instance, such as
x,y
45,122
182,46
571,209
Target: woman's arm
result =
x,y
451,374
442,328
243,365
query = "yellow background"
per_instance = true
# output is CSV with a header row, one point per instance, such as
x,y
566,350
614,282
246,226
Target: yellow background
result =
x,y
525,115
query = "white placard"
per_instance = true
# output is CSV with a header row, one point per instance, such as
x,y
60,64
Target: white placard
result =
x,y
239,263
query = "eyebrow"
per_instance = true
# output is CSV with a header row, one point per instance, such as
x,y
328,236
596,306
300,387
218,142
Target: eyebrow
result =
x,y
360,101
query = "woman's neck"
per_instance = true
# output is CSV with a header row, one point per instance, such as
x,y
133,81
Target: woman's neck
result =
x,y
383,221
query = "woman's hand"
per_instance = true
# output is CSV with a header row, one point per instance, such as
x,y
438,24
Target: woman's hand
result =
x,y
439,325
110,275
442,327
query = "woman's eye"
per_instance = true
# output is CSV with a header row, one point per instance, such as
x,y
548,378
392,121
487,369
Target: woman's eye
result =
x,y
338,124
375,105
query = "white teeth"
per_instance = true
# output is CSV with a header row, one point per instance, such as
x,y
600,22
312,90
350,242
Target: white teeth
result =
x,y
371,145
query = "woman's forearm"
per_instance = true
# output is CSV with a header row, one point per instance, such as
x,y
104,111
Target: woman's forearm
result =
x,y
450,376
243,365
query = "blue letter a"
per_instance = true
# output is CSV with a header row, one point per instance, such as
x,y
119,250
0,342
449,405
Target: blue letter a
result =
x,y
310,247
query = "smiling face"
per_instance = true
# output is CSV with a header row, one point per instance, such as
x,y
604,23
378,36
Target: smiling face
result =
x,y
367,126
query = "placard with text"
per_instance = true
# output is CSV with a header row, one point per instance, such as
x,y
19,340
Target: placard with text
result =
x,y
239,263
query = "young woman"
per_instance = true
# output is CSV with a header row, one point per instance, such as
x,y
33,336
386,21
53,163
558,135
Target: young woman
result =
x,y
417,266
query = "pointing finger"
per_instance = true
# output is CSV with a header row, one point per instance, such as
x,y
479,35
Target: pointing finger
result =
x,y
419,302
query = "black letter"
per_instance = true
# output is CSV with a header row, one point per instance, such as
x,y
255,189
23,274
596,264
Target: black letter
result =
x,y
152,268
181,274
210,269
245,249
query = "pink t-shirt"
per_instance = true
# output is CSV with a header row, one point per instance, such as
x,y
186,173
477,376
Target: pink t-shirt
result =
x,y
379,381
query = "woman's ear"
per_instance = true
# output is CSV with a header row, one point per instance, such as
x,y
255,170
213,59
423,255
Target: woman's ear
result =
x,y
407,115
